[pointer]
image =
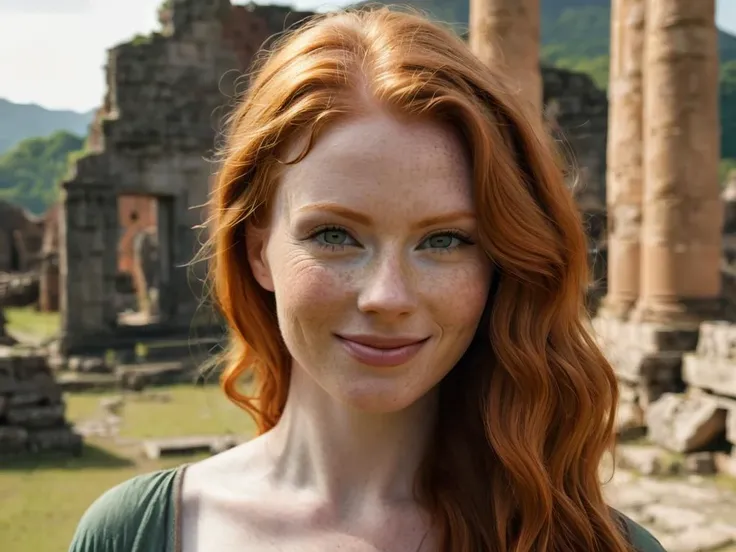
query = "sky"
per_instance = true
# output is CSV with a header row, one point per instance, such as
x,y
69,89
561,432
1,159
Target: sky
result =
x,y
52,52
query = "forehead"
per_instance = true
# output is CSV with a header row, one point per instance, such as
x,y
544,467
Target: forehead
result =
x,y
382,159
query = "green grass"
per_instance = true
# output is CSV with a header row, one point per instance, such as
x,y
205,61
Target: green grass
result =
x,y
189,410
28,321
42,499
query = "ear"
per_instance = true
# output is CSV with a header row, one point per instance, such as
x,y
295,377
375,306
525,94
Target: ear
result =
x,y
256,240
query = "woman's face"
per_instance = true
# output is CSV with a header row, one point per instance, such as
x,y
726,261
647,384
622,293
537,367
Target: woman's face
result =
x,y
371,253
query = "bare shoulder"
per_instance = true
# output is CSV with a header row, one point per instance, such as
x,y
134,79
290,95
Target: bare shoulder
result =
x,y
222,500
234,470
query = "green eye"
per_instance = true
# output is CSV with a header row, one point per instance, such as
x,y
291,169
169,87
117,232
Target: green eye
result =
x,y
441,241
445,241
334,237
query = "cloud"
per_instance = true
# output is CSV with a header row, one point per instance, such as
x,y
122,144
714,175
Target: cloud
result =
x,y
45,6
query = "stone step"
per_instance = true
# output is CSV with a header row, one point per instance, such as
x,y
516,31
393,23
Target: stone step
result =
x,y
711,373
74,382
212,444
635,366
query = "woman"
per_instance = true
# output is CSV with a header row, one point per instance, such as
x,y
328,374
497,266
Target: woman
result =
x,y
404,270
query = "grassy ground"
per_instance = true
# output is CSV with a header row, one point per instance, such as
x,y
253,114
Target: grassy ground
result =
x,y
29,322
41,501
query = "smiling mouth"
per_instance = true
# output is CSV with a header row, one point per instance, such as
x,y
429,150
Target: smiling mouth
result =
x,y
380,351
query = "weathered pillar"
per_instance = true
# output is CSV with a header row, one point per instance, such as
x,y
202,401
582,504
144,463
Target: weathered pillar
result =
x,y
681,237
624,171
505,34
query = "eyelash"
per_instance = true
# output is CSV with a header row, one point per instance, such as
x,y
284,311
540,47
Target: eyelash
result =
x,y
459,235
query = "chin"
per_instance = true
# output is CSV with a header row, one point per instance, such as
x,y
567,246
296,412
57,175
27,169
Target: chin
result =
x,y
377,399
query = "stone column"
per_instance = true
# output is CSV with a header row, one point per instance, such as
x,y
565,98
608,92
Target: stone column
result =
x,y
681,237
624,171
505,34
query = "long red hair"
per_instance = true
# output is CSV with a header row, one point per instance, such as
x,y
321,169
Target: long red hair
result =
x,y
527,414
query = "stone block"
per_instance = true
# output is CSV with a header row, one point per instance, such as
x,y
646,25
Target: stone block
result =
x,y
36,416
700,463
61,438
646,336
629,421
35,397
31,407
726,463
731,426
13,439
627,393
645,460
685,423
717,339
88,365
712,373
155,448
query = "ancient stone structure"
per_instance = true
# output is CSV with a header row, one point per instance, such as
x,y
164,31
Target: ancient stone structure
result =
x,y
505,34
21,234
135,213
578,114
152,137
19,289
31,408
673,353
682,221
624,156
48,285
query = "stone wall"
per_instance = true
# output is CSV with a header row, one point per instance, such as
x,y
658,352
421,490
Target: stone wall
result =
x,y
48,278
32,417
578,114
166,96
21,234
677,385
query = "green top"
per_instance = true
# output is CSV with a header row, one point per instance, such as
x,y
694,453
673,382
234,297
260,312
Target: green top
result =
x,y
141,515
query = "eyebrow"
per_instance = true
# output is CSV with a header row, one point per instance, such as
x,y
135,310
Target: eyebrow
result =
x,y
365,220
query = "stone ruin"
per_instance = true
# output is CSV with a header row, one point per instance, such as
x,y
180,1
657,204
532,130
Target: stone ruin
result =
x,y
666,320
152,137
21,235
32,408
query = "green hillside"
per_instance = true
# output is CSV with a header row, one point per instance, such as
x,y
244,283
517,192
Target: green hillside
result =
x,y
31,171
21,121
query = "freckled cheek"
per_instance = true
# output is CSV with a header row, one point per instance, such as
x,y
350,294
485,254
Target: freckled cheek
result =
x,y
310,290
458,295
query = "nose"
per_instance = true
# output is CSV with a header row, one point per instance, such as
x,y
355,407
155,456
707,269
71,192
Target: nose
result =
x,y
388,289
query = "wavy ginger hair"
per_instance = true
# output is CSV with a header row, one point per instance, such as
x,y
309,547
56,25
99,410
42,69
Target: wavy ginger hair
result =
x,y
527,413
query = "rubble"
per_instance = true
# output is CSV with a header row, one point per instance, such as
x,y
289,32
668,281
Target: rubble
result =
x,y
32,410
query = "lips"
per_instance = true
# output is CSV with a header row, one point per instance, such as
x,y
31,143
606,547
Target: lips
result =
x,y
382,351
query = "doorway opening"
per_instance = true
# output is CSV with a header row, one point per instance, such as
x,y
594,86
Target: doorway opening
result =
x,y
144,258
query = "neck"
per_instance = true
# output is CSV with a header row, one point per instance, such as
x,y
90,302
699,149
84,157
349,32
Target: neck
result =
x,y
345,454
